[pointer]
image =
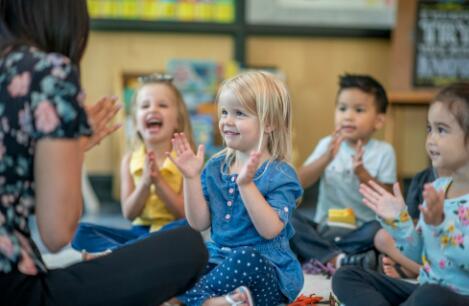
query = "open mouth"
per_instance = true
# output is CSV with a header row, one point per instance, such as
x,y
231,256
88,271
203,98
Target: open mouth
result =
x,y
153,124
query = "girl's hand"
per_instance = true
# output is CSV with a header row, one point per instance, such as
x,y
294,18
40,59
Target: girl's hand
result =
x,y
433,211
357,159
249,169
187,162
100,115
334,145
154,171
383,203
148,169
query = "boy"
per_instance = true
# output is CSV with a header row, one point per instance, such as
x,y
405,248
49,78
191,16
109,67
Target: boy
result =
x,y
344,160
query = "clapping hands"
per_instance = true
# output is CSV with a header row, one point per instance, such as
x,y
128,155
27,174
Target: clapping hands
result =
x,y
433,211
385,204
100,115
188,163
248,171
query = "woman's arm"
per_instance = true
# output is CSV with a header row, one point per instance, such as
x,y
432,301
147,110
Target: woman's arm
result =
x,y
57,175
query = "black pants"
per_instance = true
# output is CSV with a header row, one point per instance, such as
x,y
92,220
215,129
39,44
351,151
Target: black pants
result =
x,y
355,286
323,244
146,273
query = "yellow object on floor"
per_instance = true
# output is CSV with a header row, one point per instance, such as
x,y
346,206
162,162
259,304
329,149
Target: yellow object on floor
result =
x,y
344,216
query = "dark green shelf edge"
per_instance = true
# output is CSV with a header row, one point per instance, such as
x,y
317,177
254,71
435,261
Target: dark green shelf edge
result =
x,y
123,25
233,28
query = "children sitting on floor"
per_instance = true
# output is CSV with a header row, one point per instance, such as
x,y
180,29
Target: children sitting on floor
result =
x,y
343,230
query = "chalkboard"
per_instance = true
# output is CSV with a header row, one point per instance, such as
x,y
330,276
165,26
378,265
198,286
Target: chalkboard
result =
x,y
441,43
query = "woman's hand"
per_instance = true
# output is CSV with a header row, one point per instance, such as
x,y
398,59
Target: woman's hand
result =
x,y
187,162
382,202
100,115
249,169
433,211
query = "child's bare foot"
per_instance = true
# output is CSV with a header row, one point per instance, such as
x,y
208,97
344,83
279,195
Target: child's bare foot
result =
x,y
85,256
394,270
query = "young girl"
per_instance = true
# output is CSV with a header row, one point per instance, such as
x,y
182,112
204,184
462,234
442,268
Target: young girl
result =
x,y
246,194
440,239
151,187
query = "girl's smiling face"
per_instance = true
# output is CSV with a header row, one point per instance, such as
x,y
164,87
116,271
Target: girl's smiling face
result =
x,y
240,129
156,113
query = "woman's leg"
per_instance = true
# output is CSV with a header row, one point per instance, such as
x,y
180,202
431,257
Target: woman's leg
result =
x,y
355,286
245,267
147,272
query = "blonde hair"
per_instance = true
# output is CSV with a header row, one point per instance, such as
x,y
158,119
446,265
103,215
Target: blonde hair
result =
x,y
183,119
265,96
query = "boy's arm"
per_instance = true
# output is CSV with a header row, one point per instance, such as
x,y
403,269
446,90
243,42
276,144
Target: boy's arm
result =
x,y
311,172
364,177
387,171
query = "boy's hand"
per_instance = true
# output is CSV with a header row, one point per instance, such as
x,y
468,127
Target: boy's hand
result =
x,y
357,159
382,202
334,145
249,169
433,211
187,162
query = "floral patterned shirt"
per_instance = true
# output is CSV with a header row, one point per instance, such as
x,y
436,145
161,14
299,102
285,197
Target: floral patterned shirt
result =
x,y
40,96
442,250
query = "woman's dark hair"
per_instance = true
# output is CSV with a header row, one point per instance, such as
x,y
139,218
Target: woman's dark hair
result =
x,y
60,26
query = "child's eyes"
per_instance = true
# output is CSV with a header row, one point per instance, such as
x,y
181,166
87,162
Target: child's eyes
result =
x,y
240,113
223,112
342,108
441,130
360,110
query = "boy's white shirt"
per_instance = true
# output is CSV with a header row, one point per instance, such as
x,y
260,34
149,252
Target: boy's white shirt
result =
x,y
339,185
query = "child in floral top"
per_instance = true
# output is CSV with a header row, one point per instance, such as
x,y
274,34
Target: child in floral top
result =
x,y
441,237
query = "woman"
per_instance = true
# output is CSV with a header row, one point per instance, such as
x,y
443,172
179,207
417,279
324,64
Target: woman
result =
x,y
44,132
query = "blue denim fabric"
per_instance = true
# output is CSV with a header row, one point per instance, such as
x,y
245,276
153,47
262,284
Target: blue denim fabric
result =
x,y
232,228
95,238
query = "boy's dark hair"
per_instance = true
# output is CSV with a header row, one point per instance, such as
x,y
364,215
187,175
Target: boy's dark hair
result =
x,y
60,26
367,84
456,98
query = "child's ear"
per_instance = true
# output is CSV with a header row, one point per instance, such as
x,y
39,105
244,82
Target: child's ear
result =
x,y
268,129
380,120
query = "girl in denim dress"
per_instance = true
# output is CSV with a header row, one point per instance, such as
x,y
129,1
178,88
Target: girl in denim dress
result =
x,y
246,195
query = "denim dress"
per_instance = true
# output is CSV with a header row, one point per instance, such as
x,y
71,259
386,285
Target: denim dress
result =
x,y
232,227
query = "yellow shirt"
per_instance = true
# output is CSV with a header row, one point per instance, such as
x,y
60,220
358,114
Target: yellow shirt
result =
x,y
155,214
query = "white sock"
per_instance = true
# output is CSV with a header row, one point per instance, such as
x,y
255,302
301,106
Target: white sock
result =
x,y
338,261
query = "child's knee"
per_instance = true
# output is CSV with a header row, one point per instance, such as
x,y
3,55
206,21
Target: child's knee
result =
x,y
383,240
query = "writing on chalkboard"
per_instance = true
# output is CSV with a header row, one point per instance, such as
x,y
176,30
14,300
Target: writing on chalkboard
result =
x,y
442,43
